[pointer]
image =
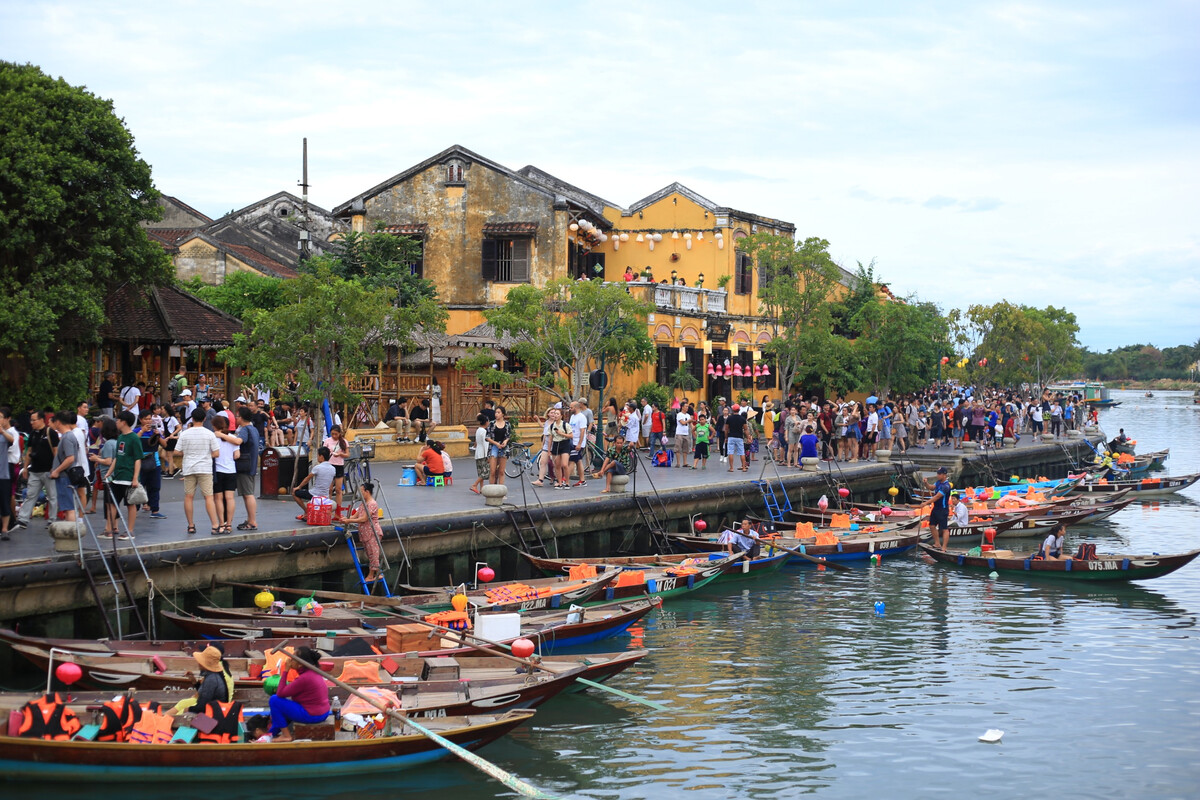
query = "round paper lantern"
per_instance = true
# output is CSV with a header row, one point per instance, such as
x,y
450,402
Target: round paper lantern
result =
x,y
264,599
270,684
822,503
886,511
843,492
574,226
68,672
945,359
486,574
700,525
893,491
522,648
459,602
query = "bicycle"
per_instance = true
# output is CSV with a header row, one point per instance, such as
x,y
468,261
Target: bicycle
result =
x,y
520,461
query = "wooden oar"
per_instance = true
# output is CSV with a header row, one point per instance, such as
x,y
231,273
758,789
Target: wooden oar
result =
x,y
806,556
508,779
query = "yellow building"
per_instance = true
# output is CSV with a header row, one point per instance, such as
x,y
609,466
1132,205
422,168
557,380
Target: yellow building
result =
x,y
485,228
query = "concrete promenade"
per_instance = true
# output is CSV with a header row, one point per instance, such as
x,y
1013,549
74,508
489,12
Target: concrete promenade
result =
x,y
411,506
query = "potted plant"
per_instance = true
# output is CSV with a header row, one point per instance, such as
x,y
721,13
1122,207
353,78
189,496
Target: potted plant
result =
x,y
647,275
723,281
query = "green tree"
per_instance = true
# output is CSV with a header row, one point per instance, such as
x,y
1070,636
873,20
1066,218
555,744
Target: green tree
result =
x,y
656,393
330,327
560,330
898,344
73,193
683,380
798,282
241,292
381,259
1022,344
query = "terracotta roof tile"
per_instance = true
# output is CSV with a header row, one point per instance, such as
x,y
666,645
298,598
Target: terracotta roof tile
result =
x,y
166,315
510,228
412,229
168,237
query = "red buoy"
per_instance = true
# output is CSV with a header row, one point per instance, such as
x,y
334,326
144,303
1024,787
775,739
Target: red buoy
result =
x,y
522,648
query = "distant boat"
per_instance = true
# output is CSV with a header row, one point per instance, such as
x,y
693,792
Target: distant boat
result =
x,y
1094,393
1149,394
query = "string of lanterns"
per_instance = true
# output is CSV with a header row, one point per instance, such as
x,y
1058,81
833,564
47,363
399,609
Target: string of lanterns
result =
x,y
727,370
593,236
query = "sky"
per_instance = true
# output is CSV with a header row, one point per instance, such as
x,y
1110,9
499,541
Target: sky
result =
x,y
1043,153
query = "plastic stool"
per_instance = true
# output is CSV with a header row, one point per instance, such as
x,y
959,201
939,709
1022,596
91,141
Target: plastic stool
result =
x,y
435,481
449,480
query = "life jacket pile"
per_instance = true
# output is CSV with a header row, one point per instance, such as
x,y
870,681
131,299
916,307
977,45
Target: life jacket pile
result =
x,y
49,718
228,716
117,718
154,727
455,620
1086,552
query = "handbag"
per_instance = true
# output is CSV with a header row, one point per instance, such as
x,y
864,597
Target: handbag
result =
x,y
137,496
77,477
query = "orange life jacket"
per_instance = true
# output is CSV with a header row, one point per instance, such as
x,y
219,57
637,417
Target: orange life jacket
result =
x,y
580,571
456,620
360,672
153,728
228,716
48,718
117,718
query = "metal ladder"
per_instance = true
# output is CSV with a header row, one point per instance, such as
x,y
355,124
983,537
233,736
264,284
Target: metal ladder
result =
x,y
106,570
367,587
527,531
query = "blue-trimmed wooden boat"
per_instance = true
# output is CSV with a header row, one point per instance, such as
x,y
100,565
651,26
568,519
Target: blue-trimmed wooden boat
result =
x,y
733,568
855,547
1105,567
86,762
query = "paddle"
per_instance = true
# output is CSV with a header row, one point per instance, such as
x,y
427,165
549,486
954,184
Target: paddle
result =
x,y
806,556
524,661
509,780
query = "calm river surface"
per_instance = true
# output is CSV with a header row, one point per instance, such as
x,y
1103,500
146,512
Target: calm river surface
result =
x,y
793,685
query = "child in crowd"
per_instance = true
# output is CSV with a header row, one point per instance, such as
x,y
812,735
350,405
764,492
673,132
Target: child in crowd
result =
x,y
483,470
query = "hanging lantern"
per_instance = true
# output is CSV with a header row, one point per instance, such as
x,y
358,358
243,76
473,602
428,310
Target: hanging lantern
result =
x,y
711,369
639,238
624,237
886,511
658,237
616,243
687,235
766,370
700,236
687,242
893,491
737,370
651,243
674,234
945,359
843,492
574,226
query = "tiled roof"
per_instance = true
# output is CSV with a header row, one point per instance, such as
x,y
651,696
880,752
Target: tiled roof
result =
x,y
168,237
413,229
259,261
510,228
166,315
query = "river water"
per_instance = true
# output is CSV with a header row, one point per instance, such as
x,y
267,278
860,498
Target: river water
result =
x,y
793,685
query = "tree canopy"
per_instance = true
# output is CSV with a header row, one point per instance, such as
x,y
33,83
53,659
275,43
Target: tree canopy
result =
x,y
242,292
898,344
379,259
562,329
73,193
798,282
1021,344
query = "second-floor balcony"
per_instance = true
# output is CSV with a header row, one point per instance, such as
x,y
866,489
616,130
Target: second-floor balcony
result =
x,y
680,299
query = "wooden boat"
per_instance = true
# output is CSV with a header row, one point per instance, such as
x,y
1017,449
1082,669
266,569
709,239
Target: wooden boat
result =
x,y
549,629
734,569
1104,568
900,513
854,547
87,762
1146,487
539,593
239,653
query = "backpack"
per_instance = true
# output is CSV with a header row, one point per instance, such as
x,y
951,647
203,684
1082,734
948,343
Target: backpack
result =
x,y
174,386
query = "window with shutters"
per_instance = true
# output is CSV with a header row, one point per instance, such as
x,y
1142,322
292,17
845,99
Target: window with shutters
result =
x,y
743,276
668,362
506,260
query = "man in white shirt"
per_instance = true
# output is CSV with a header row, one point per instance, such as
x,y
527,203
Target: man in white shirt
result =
x,y
579,425
872,433
129,399
683,436
962,516
646,421
198,446
321,478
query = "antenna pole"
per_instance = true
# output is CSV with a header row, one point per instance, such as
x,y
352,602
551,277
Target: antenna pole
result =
x,y
304,241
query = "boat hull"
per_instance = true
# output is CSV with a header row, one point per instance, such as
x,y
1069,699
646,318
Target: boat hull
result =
x,y
1104,568
108,762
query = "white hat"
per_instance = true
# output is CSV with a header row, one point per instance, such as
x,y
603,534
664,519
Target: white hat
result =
x,y
186,393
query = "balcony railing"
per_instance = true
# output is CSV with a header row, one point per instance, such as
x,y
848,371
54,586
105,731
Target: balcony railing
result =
x,y
680,299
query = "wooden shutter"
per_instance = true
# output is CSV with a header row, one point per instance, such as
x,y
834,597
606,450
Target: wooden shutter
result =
x,y
520,260
594,266
490,251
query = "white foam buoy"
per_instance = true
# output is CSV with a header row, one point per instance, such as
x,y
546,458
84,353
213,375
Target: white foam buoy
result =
x,y
991,736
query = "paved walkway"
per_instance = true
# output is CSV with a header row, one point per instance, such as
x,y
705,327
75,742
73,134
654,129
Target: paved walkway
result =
x,y
278,516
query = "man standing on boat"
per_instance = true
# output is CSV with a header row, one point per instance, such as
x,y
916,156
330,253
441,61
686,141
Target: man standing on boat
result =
x,y
939,517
